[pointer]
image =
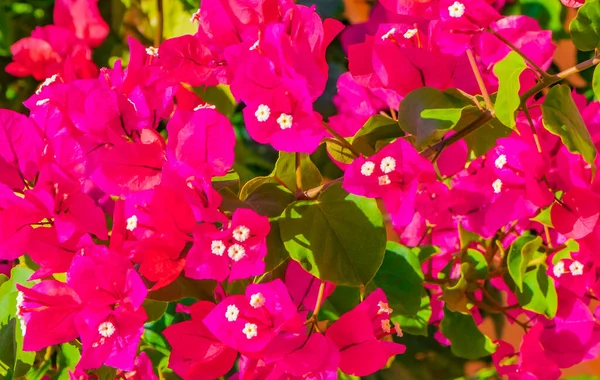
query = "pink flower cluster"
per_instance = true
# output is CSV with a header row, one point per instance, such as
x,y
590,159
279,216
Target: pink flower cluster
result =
x,y
63,48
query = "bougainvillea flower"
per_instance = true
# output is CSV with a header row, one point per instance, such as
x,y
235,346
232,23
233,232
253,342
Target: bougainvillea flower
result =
x,y
236,252
358,335
197,353
248,323
142,370
577,214
201,138
83,18
48,311
52,50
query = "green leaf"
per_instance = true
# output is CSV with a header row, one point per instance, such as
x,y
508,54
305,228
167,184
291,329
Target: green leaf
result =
x,y
478,265
377,128
428,113
220,96
285,171
539,292
585,28
565,253
401,278
184,287
338,238
508,71
455,297
543,217
520,254
562,118
68,357
230,180
106,373
467,341
596,82
338,151
484,138
154,309
270,199
417,323
342,300
276,253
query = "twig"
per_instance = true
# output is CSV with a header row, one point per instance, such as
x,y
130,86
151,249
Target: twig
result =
x,y
533,131
541,71
342,140
158,33
480,82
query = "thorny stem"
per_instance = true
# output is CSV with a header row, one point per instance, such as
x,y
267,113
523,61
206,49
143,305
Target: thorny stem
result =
x,y
480,82
341,140
541,71
158,34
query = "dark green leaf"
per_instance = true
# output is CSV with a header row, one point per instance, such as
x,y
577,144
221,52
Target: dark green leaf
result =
x,y
508,71
342,300
539,292
339,238
270,199
415,324
276,253
519,255
154,309
230,180
184,287
401,278
428,113
455,297
478,265
377,128
562,118
467,341
585,28
483,139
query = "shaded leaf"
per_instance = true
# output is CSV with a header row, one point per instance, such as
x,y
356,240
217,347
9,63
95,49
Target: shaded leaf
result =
x,y
585,28
519,255
467,341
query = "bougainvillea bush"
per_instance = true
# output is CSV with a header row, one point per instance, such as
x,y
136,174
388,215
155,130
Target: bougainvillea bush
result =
x,y
192,210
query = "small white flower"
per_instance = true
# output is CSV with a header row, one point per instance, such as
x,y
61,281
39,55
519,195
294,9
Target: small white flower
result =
x,y
384,180
367,168
384,308
576,268
263,112
456,10
388,164
232,313
500,161
152,51
559,269
46,83
497,185
254,46
204,106
217,247
388,34
410,33
236,252
285,121
195,17
257,300
41,102
251,330
241,233
386,326
106,329
132,222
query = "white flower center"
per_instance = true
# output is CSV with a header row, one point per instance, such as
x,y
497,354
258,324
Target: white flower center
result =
x,y
500,161
217,247
106,329
132,222
251,330
152,51
576,268
384,180
236,252
388,164
257,300
42,102
456,10
285,121
232,313
497,185
410,33
388,34
384,308
241,233
263,112
254,46
559,269
386,326
367,168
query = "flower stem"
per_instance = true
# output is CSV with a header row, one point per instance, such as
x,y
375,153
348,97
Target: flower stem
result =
x,y
158,33
480,83
541,71
341,140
